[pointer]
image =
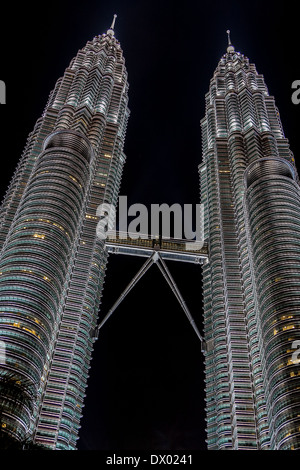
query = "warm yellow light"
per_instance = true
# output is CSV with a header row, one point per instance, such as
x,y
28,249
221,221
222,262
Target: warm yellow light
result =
x,y
38,235
284,317
288,327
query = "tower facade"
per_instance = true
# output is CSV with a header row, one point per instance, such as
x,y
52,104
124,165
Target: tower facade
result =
x,y
52,264
251,285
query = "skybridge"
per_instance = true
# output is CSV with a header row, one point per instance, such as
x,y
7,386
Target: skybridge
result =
x,y
168,248
156,251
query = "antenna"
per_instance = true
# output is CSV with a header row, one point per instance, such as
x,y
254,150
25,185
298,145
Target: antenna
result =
x,y
230,47
228,33
113,22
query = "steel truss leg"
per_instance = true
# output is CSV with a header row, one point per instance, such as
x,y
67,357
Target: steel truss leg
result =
x,y
154,258
133,282
167,275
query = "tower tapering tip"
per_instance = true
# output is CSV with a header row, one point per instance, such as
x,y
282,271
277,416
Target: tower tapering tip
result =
x,y
113,22
111,29
230,47
228,34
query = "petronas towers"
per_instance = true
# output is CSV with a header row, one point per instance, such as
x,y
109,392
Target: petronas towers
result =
x,y
249,186
52,264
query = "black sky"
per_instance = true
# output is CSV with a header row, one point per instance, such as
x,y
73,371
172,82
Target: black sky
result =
x,y
146,382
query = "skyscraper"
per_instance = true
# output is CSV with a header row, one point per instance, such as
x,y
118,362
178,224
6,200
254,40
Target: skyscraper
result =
x,y
52,264
251,285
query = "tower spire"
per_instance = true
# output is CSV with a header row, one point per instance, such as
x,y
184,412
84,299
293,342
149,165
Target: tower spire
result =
x,y
228,33
113,22
230,47
111,29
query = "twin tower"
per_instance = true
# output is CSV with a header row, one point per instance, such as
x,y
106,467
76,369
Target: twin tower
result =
x,y
52,264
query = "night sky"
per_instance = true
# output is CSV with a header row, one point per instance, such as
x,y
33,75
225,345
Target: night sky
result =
x,y
146,385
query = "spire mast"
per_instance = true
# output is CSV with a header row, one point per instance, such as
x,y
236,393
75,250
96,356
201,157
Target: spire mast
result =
x,y
113,22
110,31
228,33
230,47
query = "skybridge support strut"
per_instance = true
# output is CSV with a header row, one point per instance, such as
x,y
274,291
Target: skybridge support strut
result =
x,y
167,275
157,259
132,283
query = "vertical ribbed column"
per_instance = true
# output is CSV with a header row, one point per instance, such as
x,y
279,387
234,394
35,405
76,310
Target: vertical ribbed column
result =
x,y
272,201
96,105
231,420
34,264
